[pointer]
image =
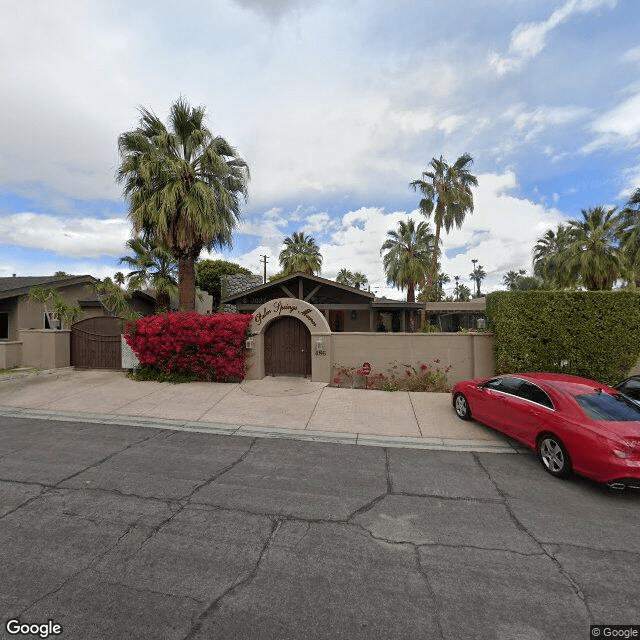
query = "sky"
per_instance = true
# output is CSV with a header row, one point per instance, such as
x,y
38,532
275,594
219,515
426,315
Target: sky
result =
x,y
335,106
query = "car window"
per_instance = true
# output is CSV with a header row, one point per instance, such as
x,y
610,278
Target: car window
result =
x,y
631,388
605,406
534,393
506,385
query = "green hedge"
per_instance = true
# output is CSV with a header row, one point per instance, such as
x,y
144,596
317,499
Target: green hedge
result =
x,y
595,334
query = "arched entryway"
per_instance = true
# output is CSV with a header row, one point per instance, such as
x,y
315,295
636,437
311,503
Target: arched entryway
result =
x,y
287,348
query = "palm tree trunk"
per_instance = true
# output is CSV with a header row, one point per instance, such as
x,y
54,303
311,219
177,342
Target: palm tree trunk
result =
x,y
186,284
411,292
431,276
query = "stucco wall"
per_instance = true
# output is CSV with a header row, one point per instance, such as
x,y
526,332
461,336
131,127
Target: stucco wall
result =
x,y
10,354
45,348
469,355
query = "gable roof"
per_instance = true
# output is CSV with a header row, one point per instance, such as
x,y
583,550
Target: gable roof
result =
x,y
288,282
19,286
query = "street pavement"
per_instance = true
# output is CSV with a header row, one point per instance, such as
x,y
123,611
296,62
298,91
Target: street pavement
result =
x,y
121,531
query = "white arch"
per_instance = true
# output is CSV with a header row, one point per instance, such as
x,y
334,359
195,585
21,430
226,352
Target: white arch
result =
x,y
307,313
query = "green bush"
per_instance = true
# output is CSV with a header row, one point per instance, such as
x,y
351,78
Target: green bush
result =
x,y
595,334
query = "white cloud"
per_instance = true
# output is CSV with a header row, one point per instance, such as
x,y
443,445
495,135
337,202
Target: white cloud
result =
x,y
529,39
76,237
619,126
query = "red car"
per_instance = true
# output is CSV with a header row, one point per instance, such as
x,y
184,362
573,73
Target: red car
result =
x,y
575,424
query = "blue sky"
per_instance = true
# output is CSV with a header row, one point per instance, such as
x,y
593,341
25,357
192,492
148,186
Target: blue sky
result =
x,y
335,106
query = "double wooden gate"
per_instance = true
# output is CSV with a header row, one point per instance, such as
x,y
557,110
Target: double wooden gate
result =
x,y
287,348
96,343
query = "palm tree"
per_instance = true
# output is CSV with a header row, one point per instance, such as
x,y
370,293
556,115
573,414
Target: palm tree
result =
x,y
183,186
408,255
512,278
300,253
154,267
118,278
548,261
594,248
351,279
344,277
447,195
630,238
477,275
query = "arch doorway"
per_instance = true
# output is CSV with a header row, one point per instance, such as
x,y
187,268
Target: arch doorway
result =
x,y
287,348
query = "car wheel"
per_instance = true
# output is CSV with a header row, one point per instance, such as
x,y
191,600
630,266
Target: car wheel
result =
x,y
554,456
462,407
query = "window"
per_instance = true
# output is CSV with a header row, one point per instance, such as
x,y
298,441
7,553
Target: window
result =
x,y
604,406
4,326
506,385
530,391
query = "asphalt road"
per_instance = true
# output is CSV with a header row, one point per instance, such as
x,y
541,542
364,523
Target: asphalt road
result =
x,y
125,532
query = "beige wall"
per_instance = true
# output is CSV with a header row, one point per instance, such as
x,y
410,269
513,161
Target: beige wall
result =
x,y
469,355
45,348
10,354
30,314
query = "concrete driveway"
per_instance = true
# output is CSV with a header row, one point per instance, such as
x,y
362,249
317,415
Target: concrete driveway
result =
x,y
273,407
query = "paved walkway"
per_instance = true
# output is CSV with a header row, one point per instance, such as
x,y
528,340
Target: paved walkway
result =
x,y
273,407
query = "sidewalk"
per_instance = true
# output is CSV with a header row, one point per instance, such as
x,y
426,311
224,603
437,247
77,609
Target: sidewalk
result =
x,y
273,408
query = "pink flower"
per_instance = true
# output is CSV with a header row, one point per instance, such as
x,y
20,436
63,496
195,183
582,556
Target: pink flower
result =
x,y
407,372
423,367
336,381
437,360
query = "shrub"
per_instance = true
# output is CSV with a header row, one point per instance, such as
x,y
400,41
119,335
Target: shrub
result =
x,y
408,378
595,334
207,347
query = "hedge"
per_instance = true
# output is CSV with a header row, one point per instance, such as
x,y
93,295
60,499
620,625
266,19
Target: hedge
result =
x,y
209,346
595,334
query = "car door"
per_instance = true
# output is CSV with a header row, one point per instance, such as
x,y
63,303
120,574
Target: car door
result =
x,y
490,409
528,411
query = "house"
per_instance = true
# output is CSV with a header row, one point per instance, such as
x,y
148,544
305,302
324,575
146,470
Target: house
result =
x,y
25,325
348,309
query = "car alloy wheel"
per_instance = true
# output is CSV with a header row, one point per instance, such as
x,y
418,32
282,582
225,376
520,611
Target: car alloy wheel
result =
x,y
554,456
462,407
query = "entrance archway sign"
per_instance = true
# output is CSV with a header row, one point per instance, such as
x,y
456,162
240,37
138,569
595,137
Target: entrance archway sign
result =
x,y
303,312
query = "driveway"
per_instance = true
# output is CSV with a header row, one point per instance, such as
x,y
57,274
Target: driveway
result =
x,y
122,531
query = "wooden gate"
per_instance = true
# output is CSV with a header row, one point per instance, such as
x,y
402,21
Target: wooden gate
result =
x,y
287,348
95,343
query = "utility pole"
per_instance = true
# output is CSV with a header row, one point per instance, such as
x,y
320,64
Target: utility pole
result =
x,y
264,262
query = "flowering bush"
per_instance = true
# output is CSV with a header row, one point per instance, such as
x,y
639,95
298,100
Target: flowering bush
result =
x,y
209,347
423,378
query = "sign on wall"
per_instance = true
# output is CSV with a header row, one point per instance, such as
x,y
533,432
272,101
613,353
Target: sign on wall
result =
x,y
279,308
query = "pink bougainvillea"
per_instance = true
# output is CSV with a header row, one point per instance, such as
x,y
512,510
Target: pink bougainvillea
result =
x,y
211,346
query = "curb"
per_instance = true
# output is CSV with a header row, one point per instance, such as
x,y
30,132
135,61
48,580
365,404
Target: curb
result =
x,y
254,431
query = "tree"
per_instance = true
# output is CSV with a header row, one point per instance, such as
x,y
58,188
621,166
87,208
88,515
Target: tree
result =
x,y
477,275
209,275
351,279
183,187
446,191
153,267
119,278
408,255
548,259
114,299
511,279
630,238
594,249
55,306
300,253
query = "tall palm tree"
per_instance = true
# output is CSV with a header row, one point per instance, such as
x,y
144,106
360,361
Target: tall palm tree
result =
x,y
408,255
300,253
359,279
183,186
593,250
630,238
154,267
446,191
477,275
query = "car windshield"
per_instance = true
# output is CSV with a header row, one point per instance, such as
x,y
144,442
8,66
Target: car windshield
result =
x,y
605,406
